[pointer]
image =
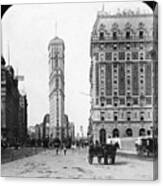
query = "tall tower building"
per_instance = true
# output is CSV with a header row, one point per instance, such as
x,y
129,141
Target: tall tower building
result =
x,y
56,87
121,75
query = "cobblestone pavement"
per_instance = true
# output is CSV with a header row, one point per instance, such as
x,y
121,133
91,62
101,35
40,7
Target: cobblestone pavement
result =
x,y
75,165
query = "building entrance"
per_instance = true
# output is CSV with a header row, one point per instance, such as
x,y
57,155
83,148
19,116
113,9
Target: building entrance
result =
x,y
115,133
102,136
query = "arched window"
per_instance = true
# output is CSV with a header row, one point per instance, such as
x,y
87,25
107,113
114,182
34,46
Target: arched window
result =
x,y
115,133
129,132
142,132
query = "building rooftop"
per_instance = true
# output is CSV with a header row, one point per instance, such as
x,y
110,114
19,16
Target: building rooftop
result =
x,y
122,20
56,41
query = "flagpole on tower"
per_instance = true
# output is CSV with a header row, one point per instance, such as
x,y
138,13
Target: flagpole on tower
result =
x,y
56,28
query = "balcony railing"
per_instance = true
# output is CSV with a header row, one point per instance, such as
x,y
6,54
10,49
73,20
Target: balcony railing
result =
x,y
121,39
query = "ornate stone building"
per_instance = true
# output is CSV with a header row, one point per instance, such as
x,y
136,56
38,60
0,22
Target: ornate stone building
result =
x,y
56,87
121,75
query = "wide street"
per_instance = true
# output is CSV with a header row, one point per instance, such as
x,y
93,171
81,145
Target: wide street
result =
x,y
75,165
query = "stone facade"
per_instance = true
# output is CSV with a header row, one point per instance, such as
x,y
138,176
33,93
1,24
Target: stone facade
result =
x,y
121,75
56,87
13,107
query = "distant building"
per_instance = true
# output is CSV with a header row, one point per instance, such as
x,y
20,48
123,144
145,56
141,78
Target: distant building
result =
x,y
121,75
65,134
71,131
23,117
40,131
37,132
31,132
56,85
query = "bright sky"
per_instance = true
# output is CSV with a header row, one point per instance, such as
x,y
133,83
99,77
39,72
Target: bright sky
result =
x,y
28,30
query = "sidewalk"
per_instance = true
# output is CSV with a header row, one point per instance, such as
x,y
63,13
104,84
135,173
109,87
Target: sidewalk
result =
x,y
134,155
10,154
128,153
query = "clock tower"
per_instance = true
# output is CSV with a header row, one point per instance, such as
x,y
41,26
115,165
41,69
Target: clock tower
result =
x,y
56,87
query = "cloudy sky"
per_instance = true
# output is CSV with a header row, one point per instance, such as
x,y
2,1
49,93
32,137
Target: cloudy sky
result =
x,y
27,29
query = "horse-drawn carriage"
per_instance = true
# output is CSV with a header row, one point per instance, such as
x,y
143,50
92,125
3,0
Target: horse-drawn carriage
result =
x,y
146,146
105,151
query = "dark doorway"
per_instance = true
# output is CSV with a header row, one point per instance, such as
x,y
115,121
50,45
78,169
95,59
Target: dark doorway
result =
x,y
102,136
142,132
129,132
115,133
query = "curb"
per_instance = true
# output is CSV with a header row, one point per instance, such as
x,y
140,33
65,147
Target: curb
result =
x,y
135,156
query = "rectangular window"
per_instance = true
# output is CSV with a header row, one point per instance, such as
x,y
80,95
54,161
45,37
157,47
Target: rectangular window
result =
x,y
101,35
109,101
122,101
114,35
108,56
148,101
128,35
135,101
141,35
135,55
96,56
121,55
148,55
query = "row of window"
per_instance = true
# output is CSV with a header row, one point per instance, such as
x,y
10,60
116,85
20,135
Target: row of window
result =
x,y
120,46
115,35
109,56
133,101
116,133
3,75
140,116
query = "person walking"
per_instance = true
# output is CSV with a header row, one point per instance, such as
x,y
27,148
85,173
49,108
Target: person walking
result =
x,y
64,149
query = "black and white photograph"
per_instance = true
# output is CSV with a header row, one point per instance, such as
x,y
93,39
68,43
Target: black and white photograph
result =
x,y
79,90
